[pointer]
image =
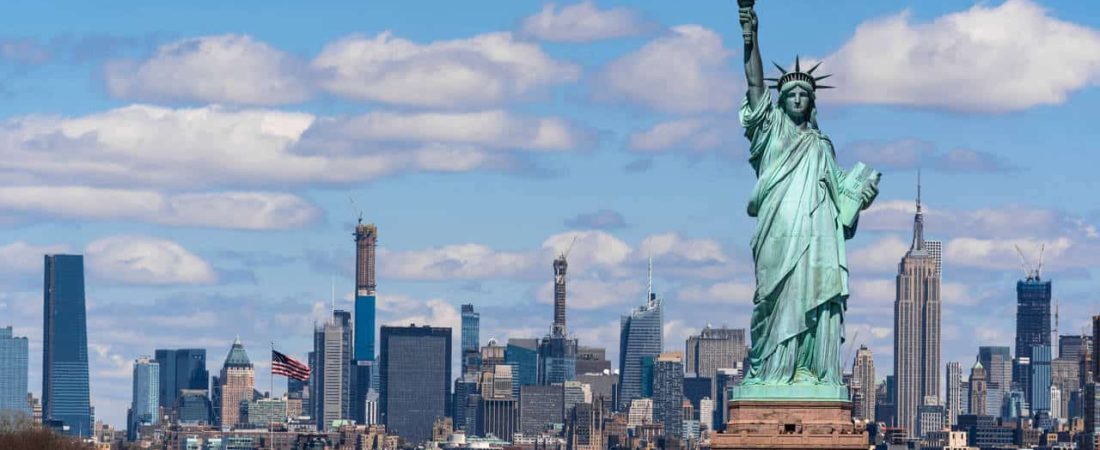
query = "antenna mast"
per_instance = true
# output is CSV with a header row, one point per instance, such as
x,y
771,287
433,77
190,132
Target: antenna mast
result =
x,y
649,296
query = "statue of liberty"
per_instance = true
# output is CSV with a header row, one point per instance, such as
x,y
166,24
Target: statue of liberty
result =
x,y
806,208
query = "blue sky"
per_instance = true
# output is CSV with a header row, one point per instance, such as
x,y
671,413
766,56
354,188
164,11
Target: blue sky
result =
x,y
202,157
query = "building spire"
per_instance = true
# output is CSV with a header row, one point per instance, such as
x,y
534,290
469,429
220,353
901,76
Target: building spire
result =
x,y
649,296
918,220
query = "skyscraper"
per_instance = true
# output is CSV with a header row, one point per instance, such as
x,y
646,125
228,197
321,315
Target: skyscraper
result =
x,y
236,383
917,325
471,324
668,392
558,351
13,372
145,401
640,339
65,390
954,392
181,369
366,239
1033,338
523,355
977,392
863,377
415,379
331,375
997,363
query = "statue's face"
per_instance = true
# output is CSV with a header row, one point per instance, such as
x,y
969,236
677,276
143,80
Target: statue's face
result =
x,y
798,102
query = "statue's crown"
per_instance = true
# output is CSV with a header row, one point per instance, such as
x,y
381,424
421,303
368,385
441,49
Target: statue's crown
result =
x,y
798,75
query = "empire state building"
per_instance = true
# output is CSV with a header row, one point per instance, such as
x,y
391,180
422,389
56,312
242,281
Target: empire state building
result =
x,y
917,325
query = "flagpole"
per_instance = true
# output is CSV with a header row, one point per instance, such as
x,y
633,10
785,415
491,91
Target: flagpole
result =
x,y
271,397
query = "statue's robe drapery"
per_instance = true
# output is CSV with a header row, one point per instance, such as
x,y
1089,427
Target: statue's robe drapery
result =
x,y
798,248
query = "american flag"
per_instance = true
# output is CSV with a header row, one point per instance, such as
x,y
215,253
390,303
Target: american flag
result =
x,y
288,367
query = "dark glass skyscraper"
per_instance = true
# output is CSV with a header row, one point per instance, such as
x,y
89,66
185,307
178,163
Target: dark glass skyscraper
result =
x,y
65,390
1033,339
471,325
415,379
181,369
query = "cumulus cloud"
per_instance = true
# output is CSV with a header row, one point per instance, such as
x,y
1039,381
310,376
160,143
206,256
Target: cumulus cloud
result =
x,y
146,260
588,248
583,22
236,210
148,145
881,256
691,135
602,219
968,60
228,68
908,154
486,69
492,129
592,293
463,261
23,258
684,71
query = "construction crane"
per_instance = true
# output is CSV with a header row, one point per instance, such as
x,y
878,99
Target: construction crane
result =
x,y
355,209
1029,271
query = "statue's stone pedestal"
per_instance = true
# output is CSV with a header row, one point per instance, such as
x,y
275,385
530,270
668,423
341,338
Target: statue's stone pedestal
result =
x,y
790,424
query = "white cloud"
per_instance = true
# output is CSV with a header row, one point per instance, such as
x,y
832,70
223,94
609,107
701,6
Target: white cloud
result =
x,y
693,135
147,145
1001,253
673,246
1009,221
582,22
593,293
21,257
685,71
968,60
464,261
881,256
728,292
491,129
216,69
237,210
592,248
146,260
486,69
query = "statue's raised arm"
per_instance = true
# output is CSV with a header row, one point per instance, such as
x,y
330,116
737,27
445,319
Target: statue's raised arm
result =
x,y
754,69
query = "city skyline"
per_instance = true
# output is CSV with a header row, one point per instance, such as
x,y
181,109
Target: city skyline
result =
x,y
213,266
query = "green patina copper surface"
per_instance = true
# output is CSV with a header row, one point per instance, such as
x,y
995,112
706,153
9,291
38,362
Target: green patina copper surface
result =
x,y
806,207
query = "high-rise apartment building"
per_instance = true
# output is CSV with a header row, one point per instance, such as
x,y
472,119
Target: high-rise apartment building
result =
x,y
471,341
330,379
13,372
917,325
65,389
145,402
592,360
236,383
181,369
558,351
713,349
954,392
863,378
640,340
366,241
415,379
668,392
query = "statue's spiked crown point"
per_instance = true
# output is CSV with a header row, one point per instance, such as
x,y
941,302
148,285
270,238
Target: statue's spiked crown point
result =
x,y
798,75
